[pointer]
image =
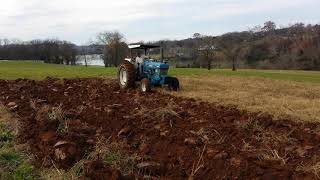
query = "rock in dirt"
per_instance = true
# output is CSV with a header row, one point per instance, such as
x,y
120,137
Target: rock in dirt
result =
x,y
151,167
212,152
164,133
307,129
235,162
190,141
90,141
123,132
221,155
11,104
128,117
115,106
158,127
61,143
47,136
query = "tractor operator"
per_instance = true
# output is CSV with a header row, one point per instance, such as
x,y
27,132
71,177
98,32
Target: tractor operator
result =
x,y
139,61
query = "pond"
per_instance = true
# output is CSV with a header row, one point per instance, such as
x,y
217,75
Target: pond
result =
x,y
92,60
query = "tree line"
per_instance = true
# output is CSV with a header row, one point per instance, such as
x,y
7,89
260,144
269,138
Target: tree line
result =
x,y
263,47
50,51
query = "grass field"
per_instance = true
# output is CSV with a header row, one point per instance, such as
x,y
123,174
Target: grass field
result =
x,y
282,99
284,94
32,70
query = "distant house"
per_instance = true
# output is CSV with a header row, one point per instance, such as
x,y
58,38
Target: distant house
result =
x,y
180,52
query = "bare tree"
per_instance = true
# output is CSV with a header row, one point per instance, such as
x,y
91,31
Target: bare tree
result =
x,y
207,50
255,29
115,47
269,26
197,35
6,42
233,47
84,52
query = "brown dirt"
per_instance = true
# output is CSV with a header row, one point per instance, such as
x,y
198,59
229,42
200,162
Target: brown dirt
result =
x,y
96,170
175,138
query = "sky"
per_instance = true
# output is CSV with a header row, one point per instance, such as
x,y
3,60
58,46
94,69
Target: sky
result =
x,y
79,21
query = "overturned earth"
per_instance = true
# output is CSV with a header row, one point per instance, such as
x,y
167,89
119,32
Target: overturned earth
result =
x,y
129,135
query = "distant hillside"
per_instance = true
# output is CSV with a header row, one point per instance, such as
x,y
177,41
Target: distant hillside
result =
x,y
293,47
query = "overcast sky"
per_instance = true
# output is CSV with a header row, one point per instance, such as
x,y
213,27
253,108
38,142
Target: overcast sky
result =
x,y
80,20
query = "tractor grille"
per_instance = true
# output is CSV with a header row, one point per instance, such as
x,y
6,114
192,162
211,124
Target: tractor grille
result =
x,y
163,71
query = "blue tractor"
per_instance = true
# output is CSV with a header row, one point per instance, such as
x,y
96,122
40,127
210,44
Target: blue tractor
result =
x,y
149,72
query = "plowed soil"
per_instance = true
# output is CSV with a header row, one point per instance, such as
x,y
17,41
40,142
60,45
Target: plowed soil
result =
x,y
174,138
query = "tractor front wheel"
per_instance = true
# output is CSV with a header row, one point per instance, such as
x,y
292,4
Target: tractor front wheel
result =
x,y
126,75
173,84
145,85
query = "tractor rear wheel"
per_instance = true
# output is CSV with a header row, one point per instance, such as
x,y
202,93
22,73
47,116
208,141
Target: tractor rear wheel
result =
x,y
173,84
126,75
145,85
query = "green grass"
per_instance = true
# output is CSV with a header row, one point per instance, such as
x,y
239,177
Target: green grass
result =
x,y
13,165
32,70
6,136
112,157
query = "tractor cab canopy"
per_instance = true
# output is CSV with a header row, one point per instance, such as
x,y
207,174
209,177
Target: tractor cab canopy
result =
x,y
144,47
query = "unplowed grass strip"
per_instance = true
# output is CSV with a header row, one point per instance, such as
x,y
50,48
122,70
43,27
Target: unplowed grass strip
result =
x,y
282,99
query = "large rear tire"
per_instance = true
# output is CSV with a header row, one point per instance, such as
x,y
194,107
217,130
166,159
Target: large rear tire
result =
x,y
126,75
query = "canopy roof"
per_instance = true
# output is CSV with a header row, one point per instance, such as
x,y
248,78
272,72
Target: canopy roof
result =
x,y
142,46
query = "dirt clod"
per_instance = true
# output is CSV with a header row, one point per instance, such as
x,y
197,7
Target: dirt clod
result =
x,y
97,170
152,168
222,155
11,104
190,141
124,131
60,154
61,143
235,162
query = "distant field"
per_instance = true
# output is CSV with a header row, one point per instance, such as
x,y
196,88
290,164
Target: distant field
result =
x,y
34,70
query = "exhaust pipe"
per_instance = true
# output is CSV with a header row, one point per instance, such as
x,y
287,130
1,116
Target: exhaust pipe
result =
x,y
161,49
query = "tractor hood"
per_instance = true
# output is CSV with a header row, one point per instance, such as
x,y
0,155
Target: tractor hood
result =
x,y
156,65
